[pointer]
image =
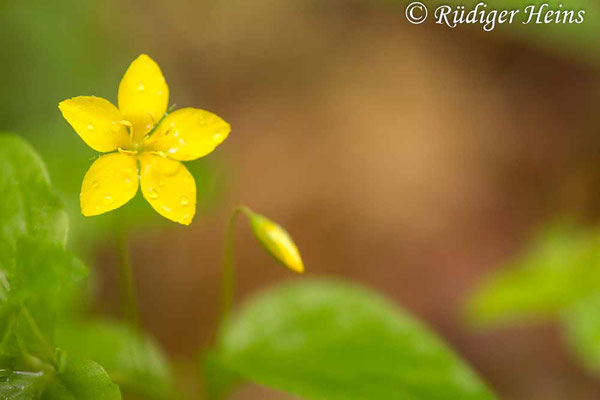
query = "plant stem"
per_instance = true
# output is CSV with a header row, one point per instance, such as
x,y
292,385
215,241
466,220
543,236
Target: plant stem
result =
x,y
228,267
128,297
36,331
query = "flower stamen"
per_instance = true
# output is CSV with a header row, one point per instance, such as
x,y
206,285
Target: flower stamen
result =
x,y
160,153
129,125
128,152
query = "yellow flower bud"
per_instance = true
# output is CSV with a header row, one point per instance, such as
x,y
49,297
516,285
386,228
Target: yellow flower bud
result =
x,y
276,241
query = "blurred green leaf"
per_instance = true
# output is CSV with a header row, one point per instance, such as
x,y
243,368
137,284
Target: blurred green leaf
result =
x,y
40,287
334,341
561,267
29,206
45,281
219,381
78,379
37,274
132,360
582,331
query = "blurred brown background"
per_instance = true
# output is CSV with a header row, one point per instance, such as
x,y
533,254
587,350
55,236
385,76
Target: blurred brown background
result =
x,y
410,158
413,159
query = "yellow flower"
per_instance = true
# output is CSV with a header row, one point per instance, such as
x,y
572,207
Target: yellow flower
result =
x,y
145,145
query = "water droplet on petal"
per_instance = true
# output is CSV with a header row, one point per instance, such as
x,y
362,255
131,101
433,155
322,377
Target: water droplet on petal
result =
x,y
90,126
152,193
166,208
108,199
160,92
218,138
184,201
140,86
95,184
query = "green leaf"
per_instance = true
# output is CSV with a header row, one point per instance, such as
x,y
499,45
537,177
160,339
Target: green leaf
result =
x,y
132,360
45,279
582,331
219,381
29,206
70,379
79,379
561,267
37,274
21,385
334,341
41,287
37,277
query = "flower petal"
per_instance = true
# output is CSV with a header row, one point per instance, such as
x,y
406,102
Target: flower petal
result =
x,y
143,95
97,121
169,187
188,134
111,181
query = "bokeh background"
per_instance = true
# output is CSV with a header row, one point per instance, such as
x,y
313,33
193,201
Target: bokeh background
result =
x,y
413,159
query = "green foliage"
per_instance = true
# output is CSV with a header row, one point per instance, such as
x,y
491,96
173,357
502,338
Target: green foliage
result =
x,y
37,273
219,380
325,340
131,359
78,379
561,267
21,385
582,331
37,279
557,278
29,207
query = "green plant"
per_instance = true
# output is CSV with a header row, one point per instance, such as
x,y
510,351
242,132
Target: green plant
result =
x,y
556,279
316,339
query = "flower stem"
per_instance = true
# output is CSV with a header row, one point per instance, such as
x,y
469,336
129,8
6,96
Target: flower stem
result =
x,y
228,267
129,306
36,331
